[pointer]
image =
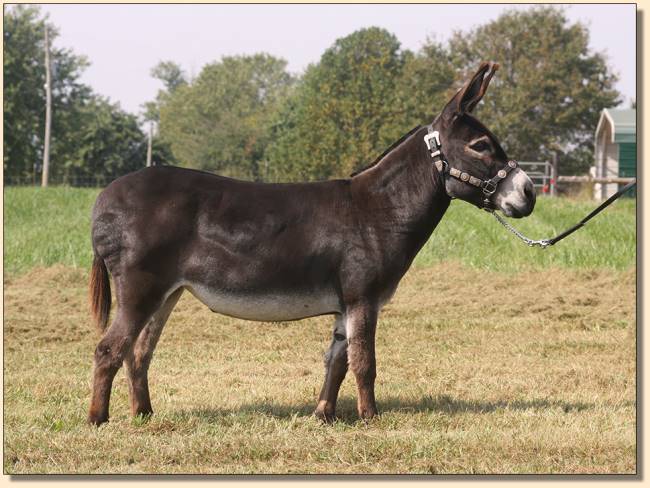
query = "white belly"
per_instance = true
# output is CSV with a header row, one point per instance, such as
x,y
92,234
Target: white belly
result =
x,y
267,307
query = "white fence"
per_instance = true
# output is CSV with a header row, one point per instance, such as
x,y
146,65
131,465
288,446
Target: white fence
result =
x,y
541,172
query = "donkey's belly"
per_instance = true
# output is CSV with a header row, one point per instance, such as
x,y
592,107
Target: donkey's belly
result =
x,y
268,307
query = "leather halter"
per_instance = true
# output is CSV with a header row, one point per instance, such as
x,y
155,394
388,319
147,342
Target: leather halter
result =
x,y
432,140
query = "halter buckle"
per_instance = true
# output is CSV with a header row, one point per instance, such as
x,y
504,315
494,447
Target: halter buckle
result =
x,y
435,135
489,187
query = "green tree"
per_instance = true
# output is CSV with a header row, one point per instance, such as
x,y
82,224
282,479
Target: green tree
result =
x,y
161,152
170,73
24,92
110,143
221,120
425,85
345,111
172,77
550,90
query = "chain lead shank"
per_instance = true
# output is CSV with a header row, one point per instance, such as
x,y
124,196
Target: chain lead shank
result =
x,y
489,187
543,243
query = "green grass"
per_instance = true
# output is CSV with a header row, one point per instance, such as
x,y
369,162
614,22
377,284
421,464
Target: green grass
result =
x,y
46,226
49,226
476,239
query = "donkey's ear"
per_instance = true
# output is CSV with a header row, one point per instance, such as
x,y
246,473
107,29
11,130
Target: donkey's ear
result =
x,y
471,93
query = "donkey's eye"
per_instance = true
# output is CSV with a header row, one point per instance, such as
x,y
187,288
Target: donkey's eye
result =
x,y
480,146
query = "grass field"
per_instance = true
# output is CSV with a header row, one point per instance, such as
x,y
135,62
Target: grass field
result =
x,y
533,373
45,227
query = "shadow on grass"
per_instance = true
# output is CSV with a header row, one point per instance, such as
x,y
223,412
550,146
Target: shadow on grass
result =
x,y
346,408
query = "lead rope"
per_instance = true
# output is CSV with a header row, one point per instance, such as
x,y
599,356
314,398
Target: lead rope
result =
x,y
544,243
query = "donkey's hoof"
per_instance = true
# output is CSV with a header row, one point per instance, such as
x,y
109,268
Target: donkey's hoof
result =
x,y
325,417
367,414
97,420
325,412
146,411
141,418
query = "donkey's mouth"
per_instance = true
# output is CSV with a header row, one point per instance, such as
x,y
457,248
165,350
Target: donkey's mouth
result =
x,y
517,213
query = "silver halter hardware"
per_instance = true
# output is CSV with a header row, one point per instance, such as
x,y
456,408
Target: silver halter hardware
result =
x,y
543,243
432,140
434,149
489,187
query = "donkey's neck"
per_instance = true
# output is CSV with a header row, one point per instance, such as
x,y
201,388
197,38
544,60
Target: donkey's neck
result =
x,y
403,197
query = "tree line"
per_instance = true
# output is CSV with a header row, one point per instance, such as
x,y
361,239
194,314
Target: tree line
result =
x,y
93,140
248,117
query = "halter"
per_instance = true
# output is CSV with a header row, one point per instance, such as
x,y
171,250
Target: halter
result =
x,y
432,140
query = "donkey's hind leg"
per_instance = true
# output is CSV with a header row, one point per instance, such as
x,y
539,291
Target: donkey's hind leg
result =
x,y
138,299
138,359
336,365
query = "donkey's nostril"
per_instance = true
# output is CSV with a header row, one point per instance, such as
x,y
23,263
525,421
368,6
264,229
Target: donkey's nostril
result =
x,y
529,190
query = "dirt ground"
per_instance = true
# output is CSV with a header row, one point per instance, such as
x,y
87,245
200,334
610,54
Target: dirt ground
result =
x,y
477,373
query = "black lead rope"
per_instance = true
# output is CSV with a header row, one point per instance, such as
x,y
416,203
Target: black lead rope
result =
x,y
544,243
434,145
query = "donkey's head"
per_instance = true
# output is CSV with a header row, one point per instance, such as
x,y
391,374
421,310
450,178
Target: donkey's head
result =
x,y
474,156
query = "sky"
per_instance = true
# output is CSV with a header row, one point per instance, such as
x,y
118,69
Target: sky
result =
x,y
123,42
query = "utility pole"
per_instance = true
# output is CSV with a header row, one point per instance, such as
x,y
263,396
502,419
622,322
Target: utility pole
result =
x,y
149,144
48,111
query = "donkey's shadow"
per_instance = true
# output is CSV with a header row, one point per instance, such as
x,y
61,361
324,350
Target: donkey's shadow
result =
x,y
346,407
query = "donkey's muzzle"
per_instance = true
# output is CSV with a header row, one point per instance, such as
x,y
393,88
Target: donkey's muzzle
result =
x,y
525,206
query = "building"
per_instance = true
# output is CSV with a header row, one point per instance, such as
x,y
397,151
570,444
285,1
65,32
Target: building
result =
x,y
615,149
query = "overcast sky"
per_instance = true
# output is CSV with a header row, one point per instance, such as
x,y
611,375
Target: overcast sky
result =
x,y
123,42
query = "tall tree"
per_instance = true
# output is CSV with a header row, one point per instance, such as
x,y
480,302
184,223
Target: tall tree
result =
x,y
24,93
345,111
550,90
425,84
172,77
110,143
220,121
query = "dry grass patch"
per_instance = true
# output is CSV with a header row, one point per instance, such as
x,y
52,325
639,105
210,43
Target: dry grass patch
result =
x,y
518,373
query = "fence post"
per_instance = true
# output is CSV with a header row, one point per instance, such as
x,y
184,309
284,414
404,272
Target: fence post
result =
x,y
553,172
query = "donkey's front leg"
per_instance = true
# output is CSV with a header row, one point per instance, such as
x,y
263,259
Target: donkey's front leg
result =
x,y
360,325
336,365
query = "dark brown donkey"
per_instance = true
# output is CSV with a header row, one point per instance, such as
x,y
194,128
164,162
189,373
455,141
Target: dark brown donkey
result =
x,y
273,252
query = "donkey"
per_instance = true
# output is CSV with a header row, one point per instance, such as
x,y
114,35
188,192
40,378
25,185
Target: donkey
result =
x,y
277,252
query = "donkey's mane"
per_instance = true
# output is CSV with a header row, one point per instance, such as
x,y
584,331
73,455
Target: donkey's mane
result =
x,y
389,149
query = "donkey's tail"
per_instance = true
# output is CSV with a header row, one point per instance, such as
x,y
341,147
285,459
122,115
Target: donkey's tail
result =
x,y
100,293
